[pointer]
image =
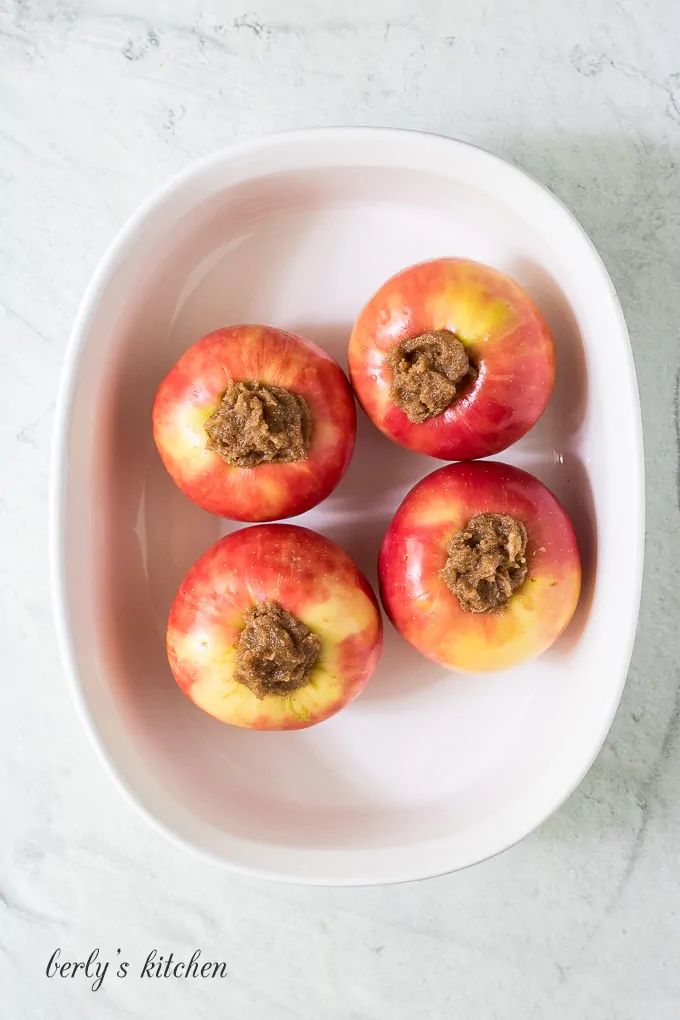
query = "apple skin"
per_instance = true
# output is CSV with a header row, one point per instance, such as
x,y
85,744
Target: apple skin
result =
x,y
308,575
504,334
192,390
421,606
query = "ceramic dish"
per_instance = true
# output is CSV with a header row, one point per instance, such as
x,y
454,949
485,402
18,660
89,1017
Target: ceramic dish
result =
x,y
427,771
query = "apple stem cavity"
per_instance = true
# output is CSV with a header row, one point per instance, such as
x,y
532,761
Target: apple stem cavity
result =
x,y
486,562
426,373
276,653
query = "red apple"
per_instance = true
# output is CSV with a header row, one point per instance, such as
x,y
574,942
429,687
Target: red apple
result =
x,y
481,316
210,630
232,359
418,568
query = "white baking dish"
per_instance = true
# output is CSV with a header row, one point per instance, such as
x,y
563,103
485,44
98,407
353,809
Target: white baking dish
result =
x,y
426,772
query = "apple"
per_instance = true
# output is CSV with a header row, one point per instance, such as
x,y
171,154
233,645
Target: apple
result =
x,y
255,424
274,628
480,568
452,359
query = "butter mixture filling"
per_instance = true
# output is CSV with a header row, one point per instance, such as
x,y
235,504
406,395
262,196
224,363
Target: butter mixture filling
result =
x,y
426,373
260,424
486,562
276,652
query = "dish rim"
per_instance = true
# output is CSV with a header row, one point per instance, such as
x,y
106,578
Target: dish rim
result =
x,y
112,258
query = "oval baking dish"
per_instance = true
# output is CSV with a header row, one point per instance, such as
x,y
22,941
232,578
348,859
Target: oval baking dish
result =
x,y
427,771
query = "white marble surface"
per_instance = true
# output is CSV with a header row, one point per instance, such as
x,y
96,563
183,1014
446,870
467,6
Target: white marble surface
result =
x,y
100,100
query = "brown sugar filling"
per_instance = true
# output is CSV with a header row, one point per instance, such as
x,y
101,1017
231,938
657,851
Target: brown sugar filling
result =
x,y
486,562
426,373
275,652
260,424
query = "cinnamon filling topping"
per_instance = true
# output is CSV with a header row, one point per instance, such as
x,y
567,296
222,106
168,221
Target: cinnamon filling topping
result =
x,y
260,424
426,373
486,562
275,652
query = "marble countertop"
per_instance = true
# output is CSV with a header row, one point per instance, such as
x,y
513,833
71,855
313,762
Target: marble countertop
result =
x,y
101,100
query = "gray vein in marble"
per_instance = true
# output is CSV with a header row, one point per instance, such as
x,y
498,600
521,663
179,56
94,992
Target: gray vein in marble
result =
x,y
676,422
12,905
589,66
644,798
26,433
135,49
25,322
